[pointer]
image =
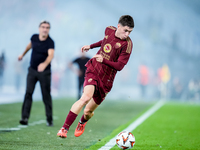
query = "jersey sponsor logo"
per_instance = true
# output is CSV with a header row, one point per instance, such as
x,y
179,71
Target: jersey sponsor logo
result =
x,y
90,80
107,48
105,55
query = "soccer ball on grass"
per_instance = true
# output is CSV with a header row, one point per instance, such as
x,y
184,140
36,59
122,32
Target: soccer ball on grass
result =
x,y
125,140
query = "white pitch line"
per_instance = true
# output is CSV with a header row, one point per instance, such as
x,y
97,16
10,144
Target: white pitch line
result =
x,y
19,127
9,129
37,122
136,123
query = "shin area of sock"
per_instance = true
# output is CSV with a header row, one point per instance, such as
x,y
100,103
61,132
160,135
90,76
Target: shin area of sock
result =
x,y
83,120
71,117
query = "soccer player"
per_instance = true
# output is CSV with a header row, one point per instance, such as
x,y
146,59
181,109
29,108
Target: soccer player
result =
x,y
113,55
40,70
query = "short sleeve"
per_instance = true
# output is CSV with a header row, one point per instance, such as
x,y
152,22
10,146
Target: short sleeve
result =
x,y
33,37
51,44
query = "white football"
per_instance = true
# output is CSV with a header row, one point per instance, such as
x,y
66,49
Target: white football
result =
x,y
125,140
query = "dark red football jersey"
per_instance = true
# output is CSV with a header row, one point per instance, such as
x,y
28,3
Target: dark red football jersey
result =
x,y
112,49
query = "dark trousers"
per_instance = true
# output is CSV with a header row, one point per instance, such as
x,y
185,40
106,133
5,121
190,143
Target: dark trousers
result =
x,y
80,86
45,83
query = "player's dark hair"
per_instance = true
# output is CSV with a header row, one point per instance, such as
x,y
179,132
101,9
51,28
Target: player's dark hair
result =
x,y
44,21
126,20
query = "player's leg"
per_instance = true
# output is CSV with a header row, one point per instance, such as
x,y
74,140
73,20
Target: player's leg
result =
x,y
45,84
76,109
85,98
88,113
30,86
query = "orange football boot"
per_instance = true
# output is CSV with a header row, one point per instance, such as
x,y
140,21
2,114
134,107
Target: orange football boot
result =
x,y
62,133
80,129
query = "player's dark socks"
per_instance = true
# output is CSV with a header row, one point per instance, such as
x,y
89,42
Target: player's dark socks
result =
x,y
83,120
69,120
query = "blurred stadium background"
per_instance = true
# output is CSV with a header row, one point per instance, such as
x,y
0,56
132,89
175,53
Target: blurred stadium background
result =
x,y
166,40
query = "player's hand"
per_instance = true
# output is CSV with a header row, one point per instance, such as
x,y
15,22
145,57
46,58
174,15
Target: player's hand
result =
x,y
85,48
41,67
98,57
20,57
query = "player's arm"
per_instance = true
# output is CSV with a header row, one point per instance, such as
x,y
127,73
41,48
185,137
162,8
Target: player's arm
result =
x,y
115,65
121,61
97,44
43,65
123,57
28,47
87,47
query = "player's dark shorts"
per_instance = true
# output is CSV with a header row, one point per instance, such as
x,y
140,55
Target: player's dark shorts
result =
x,y
100,92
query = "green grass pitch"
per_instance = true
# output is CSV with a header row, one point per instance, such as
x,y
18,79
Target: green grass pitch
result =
x,y
174,126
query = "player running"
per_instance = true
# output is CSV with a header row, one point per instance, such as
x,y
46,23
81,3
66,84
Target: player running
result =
x,y
114,53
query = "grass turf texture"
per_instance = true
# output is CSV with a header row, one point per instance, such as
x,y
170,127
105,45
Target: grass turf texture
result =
x,y
173,127
108,117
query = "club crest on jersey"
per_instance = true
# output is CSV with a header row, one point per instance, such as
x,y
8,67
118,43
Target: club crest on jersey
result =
x,y
117,45
90,80
107,48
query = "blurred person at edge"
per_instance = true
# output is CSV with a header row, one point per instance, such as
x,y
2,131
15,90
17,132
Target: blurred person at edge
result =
x,y
80,61
164,77
143,79
39,70
2,67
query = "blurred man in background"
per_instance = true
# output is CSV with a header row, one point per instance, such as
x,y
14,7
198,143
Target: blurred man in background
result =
x,y
164,77
80,61
143,79
40,70
2,67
